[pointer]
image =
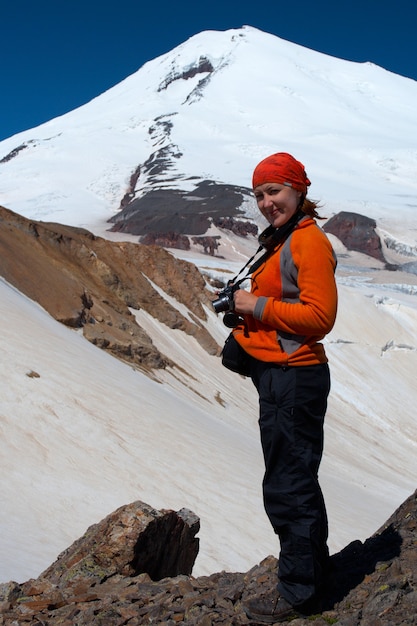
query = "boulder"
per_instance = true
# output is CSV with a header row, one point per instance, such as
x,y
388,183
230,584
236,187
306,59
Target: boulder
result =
x,y
133,540
356,232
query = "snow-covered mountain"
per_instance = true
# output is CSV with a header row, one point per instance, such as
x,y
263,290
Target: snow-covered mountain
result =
x,y
211,109
83,433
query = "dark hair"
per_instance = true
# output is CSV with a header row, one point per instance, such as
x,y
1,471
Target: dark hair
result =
x,y
309,207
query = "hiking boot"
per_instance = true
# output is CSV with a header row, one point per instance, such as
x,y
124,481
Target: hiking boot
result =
x,y
270,608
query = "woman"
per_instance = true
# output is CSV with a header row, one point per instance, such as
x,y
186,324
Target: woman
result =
x,y
290,308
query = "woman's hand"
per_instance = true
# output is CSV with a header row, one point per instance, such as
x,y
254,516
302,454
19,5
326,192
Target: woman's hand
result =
x,y
244,302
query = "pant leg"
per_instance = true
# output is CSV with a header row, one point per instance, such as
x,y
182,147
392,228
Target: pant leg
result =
x,y
293,403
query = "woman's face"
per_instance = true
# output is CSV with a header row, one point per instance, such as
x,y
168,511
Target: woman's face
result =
x,y
276,202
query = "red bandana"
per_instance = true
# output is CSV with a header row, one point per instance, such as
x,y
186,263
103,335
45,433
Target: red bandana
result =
x,y
281,168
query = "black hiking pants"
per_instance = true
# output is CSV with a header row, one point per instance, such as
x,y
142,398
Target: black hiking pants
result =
x,y
292,405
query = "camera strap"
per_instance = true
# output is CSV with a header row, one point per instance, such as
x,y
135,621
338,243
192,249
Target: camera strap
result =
x,y
268,239
235,281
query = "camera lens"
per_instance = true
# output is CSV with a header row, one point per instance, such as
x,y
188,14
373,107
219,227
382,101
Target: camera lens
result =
x,y
231,320
221,304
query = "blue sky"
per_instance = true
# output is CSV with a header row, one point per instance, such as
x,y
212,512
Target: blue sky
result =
x,y
59,54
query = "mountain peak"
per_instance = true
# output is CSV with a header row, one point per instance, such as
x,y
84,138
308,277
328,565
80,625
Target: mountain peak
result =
x,y
215,105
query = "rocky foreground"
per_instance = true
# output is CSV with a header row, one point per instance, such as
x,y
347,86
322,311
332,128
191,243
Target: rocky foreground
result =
x,y
134,567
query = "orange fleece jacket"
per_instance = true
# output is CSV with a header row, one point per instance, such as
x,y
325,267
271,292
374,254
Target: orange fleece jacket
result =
x,y
297,300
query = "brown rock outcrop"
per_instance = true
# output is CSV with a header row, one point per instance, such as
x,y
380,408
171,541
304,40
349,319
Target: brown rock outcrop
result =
x,y
166,240
133,540
238,227
134,568
209,244
91,283
356,232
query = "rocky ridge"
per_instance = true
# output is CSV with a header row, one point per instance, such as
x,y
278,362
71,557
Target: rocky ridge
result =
x,y
135,567
90,283
94,284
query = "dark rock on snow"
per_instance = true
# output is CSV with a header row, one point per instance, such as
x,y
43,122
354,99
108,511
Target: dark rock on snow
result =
x,y
356,232
135,566
166,240
163,211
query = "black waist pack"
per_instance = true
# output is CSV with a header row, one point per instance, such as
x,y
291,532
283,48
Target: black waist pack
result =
x,y
235,358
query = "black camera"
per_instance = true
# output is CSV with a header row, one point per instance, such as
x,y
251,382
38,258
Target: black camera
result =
x,y
224,303
225,300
